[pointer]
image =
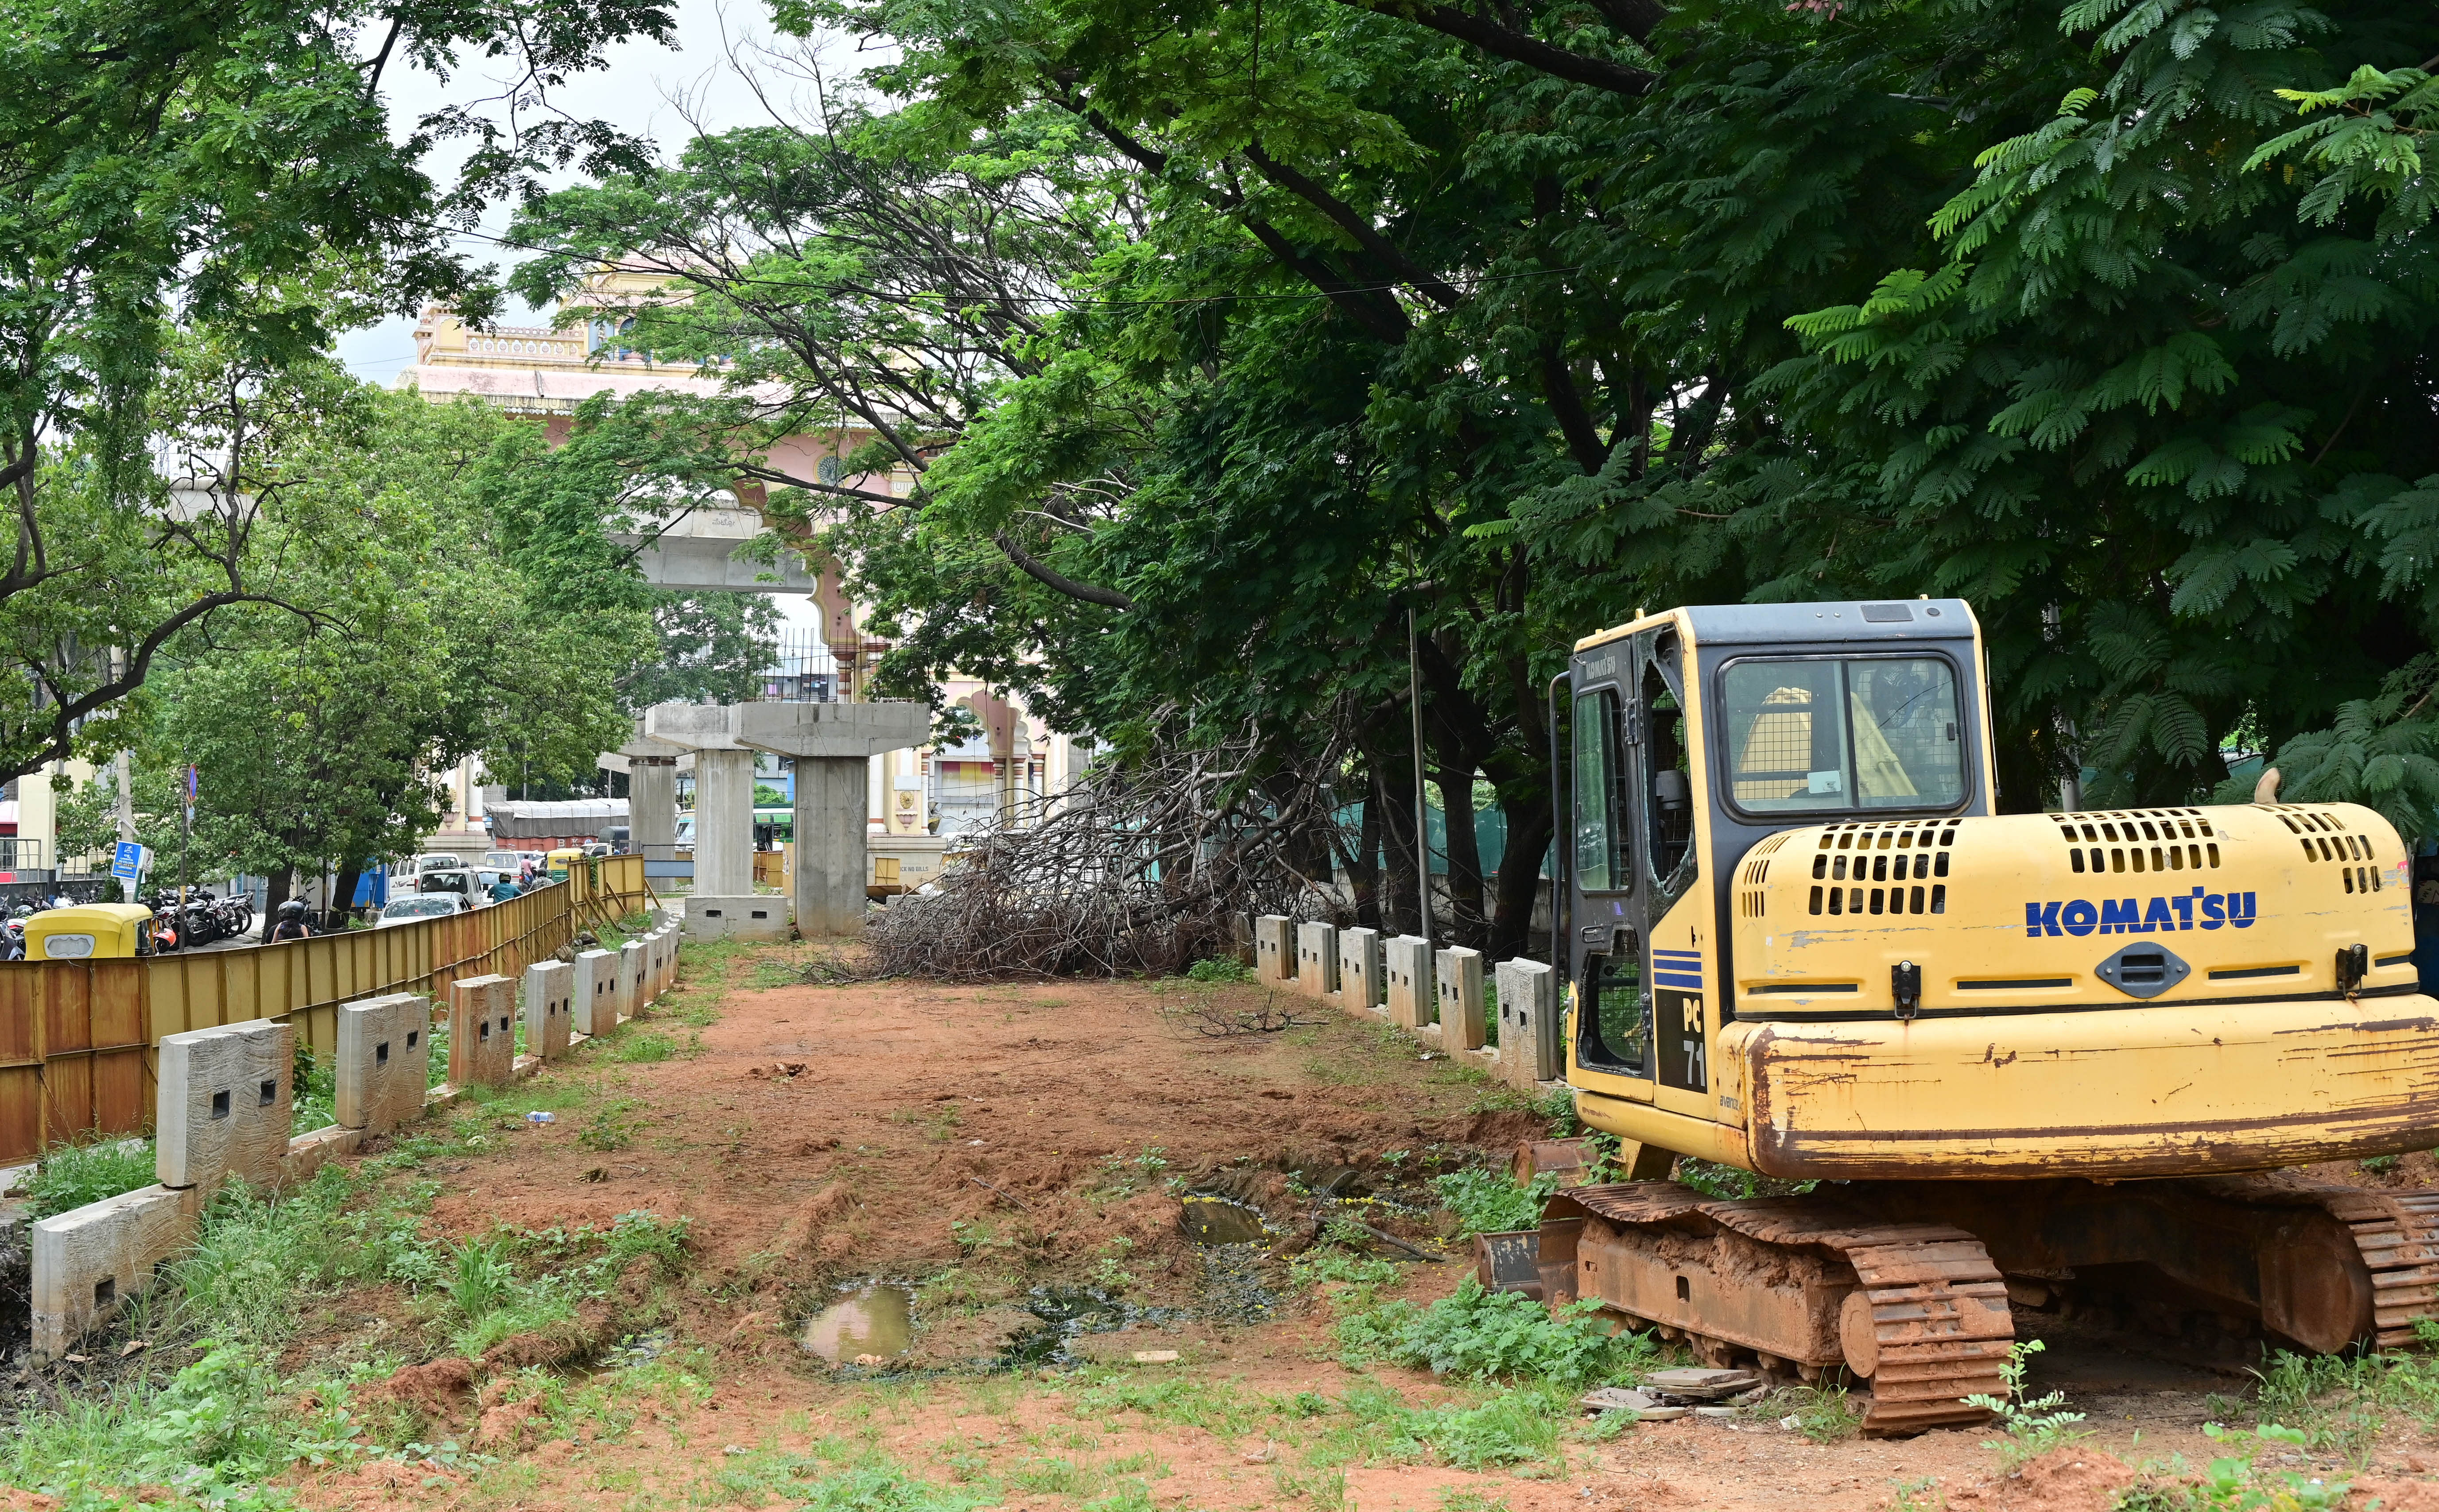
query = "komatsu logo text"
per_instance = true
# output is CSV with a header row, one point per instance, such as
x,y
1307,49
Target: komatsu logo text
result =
x,y
2197,909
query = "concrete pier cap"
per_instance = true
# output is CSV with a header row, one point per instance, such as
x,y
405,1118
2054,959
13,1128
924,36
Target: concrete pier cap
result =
x,y
831,745
723,793
652,794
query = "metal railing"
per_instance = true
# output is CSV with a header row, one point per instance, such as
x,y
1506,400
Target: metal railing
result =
x,y
801,670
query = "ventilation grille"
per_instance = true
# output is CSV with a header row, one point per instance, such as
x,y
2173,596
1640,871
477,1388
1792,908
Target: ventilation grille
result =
x,y
2138,840
2326,840
1750,904
1855,865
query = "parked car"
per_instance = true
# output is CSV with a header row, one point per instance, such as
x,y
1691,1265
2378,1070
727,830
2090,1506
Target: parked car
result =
x,y
473,884
413,906
505,859
430,860
457,879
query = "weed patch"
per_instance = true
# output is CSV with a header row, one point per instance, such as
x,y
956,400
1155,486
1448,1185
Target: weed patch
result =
x,y
612,1126
1491,1201
2033,1425
1478,1335
73,1175
643,1048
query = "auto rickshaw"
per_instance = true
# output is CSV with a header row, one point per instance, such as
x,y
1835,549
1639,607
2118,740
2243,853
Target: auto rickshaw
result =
x,y
559,862
89,932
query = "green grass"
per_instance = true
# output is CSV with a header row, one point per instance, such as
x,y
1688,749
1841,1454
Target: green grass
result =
x,y
2340,1403
1822,1414
642,1047
70,1176
1491,1201
216,1421
1478,1335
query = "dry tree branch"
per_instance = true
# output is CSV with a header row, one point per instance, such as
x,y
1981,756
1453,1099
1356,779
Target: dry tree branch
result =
x,y
1137,868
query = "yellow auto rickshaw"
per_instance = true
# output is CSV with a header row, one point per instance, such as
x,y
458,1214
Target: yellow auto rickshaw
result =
x,y
559,862
89,932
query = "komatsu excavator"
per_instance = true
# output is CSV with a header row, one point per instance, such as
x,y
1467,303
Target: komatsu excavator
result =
x,y
2025,1060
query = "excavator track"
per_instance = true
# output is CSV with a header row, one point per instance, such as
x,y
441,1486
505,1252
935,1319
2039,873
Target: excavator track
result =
x,y
2399,1238
1885,1284
2395,1235
1799,1284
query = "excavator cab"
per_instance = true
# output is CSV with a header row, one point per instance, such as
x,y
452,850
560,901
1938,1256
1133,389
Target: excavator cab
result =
x,y
1694,735
2034,1058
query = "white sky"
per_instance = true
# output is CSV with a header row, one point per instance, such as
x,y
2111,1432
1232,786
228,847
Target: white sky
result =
x,y
637,93
640,93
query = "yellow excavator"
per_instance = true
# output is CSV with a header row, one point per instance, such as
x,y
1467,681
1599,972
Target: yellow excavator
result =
x,y
2025,1061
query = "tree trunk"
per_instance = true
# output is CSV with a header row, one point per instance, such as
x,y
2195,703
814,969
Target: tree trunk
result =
x,y
1529,825
1465,924
345,898
275,892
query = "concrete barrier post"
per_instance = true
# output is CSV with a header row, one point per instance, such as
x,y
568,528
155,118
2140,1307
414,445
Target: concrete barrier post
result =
x,y
1529,1052
1359,968
88,1262
1273,953
482,1032
224,1103
547,1017
1457,972
1409,972
634,987
1316,958
384,1061
597,979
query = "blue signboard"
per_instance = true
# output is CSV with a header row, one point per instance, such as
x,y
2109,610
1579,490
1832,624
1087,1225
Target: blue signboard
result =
x,y
126,863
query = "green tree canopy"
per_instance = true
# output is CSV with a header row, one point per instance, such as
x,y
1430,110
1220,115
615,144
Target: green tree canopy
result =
x,y
1217,333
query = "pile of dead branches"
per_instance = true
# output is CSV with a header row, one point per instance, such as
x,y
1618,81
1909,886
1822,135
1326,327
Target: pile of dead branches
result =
x,y
1138,867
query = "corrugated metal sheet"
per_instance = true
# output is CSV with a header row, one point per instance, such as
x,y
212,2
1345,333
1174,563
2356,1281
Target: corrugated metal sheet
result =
x,y
76,1038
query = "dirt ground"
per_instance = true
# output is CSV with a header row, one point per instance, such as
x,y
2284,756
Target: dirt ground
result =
x,y
983,1141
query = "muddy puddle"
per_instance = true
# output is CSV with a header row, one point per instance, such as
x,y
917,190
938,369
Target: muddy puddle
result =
x,y
1232,1242
869,1326
1069,1313
1220,1220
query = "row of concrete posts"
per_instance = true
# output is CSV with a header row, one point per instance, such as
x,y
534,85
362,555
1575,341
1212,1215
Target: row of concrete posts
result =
x,y
1436,994
831,746
224,1096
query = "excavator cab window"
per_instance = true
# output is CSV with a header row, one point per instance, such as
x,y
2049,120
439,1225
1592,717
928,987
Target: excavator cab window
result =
x,y
1829,735
1668,822
1617,1031
1600,785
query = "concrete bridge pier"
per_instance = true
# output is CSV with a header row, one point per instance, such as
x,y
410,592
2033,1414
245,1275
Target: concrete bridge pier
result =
x,y
832,746
723,904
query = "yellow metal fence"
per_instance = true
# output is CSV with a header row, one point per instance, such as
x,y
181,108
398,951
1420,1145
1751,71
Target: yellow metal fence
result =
x,y
76,1038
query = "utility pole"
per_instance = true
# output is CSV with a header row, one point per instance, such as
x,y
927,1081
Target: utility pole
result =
x,y
1422,812
186,839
